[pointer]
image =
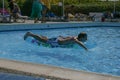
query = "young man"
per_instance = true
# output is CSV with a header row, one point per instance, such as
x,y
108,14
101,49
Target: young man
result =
x,y
82,37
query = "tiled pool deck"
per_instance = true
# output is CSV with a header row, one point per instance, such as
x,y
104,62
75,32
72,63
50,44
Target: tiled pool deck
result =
x,y
51,72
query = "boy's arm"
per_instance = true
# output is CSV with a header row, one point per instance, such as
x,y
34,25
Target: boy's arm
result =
x,y
81,44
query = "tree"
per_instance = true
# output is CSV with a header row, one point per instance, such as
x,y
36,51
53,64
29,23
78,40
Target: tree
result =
x,y
5,4
27,7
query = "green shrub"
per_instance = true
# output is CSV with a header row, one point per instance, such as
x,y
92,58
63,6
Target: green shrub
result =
x,y
26,8
96,7
5,4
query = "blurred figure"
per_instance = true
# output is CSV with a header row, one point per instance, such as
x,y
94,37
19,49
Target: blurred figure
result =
x,y
16,11
36,10
11,7
45,9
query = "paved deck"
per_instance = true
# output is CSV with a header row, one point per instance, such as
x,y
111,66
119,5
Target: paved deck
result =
x,y
50,72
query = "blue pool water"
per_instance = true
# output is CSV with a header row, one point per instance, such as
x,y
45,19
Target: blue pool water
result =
x,y
103,55
8,76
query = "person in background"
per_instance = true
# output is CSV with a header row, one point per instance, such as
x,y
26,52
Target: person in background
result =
x,y
44,12
36,10
82,37
16,11
11,7
45,8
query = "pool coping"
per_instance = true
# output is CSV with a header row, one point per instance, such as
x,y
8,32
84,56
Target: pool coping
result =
x,y
29,26
50,72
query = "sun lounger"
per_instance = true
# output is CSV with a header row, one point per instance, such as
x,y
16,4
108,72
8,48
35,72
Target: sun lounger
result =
x,y
4,16
23,18
4,19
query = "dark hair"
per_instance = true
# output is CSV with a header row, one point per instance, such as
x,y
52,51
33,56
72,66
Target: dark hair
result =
x,y
81,35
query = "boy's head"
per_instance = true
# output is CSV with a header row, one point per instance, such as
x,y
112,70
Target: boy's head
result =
x,y
82,36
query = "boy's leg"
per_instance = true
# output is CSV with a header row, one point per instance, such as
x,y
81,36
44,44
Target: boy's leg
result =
x,y
39,38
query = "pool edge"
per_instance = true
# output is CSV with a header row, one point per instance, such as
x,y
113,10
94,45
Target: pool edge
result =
x,y
13,27
50,72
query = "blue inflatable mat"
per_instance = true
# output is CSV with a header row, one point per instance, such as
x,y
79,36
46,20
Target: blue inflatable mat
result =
x,y
50,45
33,41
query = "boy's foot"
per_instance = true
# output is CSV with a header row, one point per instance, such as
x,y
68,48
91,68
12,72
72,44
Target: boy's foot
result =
x,y
26,35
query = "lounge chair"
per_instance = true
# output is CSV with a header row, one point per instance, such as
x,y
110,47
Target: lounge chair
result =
x,y
50,16
4,16
16,14
19,17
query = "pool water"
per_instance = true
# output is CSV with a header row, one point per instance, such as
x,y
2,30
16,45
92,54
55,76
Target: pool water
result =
x,y
8,76
103,55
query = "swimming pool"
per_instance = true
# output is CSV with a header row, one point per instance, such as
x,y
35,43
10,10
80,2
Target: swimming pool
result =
x,y
103,55
8,76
